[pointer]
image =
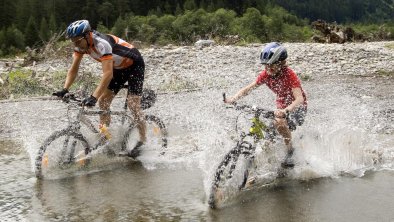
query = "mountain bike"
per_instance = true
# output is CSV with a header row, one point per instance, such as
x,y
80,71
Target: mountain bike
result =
x,y
234,169
71,146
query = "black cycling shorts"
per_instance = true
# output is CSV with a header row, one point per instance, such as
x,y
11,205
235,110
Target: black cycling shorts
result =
x,y
296,118
133,75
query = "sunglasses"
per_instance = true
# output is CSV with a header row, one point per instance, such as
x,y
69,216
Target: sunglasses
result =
x,y
77,41
273,64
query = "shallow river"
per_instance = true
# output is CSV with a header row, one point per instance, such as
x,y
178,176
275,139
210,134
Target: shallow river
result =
x,y
347,140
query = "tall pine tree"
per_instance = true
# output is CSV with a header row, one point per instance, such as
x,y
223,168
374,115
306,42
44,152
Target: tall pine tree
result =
x,y
31,34
44,31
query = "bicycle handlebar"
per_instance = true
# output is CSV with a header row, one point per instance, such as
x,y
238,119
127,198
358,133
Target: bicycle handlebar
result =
x,y
252,109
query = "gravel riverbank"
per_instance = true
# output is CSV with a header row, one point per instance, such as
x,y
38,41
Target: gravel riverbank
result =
x,y
174,68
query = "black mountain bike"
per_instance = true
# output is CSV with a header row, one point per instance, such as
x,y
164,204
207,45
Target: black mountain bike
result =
x,y
70,146
233,171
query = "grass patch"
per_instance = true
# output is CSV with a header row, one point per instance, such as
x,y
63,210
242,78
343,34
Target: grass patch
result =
x,y
385,73
389,45
21,83
85,81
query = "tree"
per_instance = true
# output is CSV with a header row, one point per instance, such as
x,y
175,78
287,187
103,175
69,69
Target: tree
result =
x,y
120,28
165,29
36,9
167,8
22,14
53,29
122,7
105,11
14,39
7,11
251,26
90,12
221,21
44,32
31,34
178,10
190,5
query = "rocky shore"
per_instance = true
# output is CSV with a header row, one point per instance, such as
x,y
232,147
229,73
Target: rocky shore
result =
x,y
174,68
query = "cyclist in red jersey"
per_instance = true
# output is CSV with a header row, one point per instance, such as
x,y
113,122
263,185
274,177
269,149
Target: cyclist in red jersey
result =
x,y
121,63
291,100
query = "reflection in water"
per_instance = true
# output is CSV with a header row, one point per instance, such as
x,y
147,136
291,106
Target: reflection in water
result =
x,y
130,192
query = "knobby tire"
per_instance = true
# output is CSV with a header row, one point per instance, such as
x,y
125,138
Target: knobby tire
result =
x,y
67,153
227,166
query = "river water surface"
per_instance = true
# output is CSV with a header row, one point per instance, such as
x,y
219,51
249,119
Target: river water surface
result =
x,y
347,141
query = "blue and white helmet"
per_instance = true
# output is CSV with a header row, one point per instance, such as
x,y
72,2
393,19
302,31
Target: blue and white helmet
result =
x,y
272,53
78,28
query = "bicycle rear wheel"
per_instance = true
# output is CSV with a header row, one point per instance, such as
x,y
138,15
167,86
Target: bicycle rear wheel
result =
x,y
59,150
231,174
156,133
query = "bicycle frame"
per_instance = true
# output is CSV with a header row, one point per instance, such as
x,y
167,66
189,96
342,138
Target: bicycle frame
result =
x,y
83,112
258,129
72,136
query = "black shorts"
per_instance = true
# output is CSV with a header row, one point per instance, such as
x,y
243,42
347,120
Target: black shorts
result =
x,y
133,75
296,118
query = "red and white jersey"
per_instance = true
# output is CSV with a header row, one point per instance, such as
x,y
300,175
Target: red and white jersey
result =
x,y
282,86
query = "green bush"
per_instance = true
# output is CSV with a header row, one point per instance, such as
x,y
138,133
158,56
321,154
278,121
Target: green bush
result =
x,y
191,25
294,33
102,28
250,26
221,22
58,78
165,29
11,41
119,28
20,83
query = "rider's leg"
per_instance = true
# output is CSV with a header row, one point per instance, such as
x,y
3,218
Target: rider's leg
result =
x,y
105,101
283,129
134,103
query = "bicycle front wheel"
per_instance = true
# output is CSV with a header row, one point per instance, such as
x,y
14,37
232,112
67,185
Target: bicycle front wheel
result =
x,y
231,174
59,150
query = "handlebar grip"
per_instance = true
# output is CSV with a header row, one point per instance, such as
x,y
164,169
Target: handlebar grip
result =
x,y
224,97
